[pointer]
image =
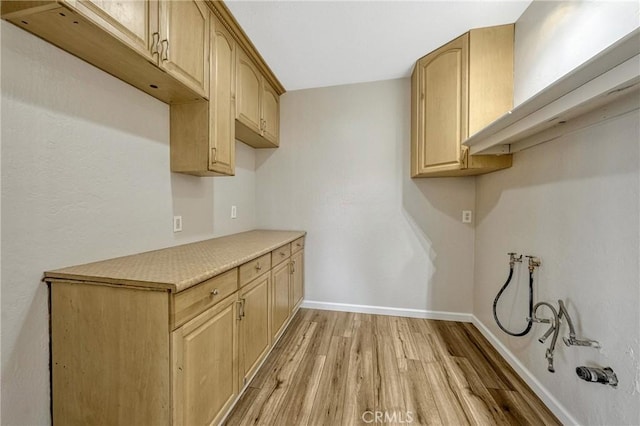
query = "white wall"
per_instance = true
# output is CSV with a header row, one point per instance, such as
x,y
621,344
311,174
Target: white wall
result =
x,y
573,202
85,176
375,236
554,37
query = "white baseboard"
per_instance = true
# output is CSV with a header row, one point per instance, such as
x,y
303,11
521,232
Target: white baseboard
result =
x,y
550,401
383,310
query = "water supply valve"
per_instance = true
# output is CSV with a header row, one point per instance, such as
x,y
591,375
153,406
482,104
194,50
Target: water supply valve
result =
x,y
606,376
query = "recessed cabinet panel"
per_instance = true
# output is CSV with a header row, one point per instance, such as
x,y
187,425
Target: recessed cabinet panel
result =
x,y
205,365
248,93
297,278
443,105
270,114
280,298
184,42
255,335
222,149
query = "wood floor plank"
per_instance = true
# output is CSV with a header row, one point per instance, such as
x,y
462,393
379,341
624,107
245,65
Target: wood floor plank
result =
x,y
446,399
387,375
361,391
266,406
344,324
514,380
329,410
403,342
515,408
298,325
491,375
298,402
479,404
331,367
325,322
418,395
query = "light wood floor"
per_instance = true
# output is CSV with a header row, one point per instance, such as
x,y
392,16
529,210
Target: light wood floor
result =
x,y
337,368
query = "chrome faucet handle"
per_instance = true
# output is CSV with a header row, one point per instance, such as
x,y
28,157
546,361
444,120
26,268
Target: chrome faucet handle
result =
x,y
539,320
572,341
534,262
513,258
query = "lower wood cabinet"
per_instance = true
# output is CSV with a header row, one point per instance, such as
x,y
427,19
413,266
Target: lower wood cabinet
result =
x,y
297,279
280,307
255,334
110,362
131,352
205,365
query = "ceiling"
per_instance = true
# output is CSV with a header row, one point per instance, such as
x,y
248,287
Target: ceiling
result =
x,y
327,43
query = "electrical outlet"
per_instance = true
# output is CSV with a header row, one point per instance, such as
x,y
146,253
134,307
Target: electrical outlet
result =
x,y
177,224
467,216
234,212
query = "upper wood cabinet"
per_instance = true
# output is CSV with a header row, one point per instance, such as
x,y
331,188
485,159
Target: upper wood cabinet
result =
x,y
183,48
222,100
158,47
456,90
203,133
257,106
172,34
191,54
133,22
248,92
270,114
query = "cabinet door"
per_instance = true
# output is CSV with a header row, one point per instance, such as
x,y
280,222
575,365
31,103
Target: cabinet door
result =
x,y
255,336
133,22
442,108
297,279
184,43
205,365
270,113
248,93
222,148
279,298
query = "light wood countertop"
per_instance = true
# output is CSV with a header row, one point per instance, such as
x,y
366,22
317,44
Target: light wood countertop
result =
x,y
178,268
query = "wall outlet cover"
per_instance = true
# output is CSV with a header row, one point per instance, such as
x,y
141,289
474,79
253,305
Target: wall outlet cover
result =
x,y
177,223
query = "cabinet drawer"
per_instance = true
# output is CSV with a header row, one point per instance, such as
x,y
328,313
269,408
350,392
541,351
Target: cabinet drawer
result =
x,y
256,267
297,245
189,303
280,254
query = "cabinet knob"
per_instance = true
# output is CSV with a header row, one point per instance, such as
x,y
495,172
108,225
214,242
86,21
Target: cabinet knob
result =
x,y
214,155
282,253
215,292
258,267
